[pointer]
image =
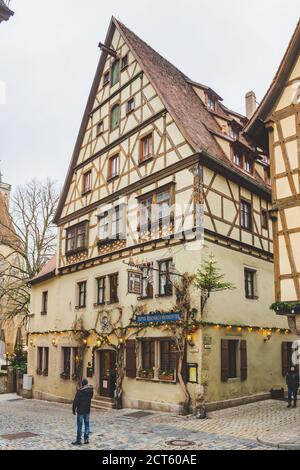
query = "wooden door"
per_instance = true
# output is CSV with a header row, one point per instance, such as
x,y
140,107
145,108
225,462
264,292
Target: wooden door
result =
x,y
107,373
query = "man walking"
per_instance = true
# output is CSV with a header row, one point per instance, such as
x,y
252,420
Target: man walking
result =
x,y
292,381
82,405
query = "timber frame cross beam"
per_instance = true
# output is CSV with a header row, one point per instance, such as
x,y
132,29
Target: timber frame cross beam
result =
x,y
104,48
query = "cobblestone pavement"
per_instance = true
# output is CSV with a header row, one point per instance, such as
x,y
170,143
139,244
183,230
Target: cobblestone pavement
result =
x,y
235,428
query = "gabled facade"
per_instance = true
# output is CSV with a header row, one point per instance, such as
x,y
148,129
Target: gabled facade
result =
x,y
276,127
161,178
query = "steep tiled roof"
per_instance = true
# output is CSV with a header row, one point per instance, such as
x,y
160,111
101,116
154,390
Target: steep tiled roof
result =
x,y
197,124
47,271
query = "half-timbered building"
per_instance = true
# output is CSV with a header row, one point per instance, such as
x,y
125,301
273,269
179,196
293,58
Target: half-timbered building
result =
x,y
161,178
276,127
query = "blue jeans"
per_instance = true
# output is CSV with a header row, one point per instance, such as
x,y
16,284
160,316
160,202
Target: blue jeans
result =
x,y
292,395
80,419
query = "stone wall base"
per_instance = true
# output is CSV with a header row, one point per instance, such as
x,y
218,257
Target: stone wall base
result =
x,y
152,405
221,405
49,397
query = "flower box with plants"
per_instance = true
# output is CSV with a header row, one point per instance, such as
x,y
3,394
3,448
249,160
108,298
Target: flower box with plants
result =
x,y
45,372
39,372
146,374
166,375
65,375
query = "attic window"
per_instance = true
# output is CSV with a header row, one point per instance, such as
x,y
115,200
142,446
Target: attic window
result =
x,y
100,128
105,78
115,72
211,103
124,62
130,105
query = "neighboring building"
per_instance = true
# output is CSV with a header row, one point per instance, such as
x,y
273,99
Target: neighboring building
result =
x,y
276,128
5,11
12,331
150,135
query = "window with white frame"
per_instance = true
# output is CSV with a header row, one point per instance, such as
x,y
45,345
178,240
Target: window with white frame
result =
x,y
69,362
42,360
111,224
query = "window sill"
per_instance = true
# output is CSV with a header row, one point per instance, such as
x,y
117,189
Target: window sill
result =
x,y
85,193
112,178
43,313
115,302
156,380
99,305
130,111
234,380
158,296
80,308
150,297
145,161
75,252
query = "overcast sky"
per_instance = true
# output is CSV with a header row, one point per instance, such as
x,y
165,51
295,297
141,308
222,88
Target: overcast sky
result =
x,y
48,57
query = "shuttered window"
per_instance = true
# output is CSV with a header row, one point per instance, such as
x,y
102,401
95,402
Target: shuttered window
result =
x,y
230,368
130,359
286,356
246,215
115,117
115,72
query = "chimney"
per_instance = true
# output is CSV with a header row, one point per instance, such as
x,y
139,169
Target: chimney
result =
x,y
250,104
5,190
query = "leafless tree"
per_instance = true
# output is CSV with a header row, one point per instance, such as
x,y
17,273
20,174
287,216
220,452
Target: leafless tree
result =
x,y
28,241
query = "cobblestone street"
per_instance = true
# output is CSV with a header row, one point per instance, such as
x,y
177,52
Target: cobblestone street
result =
x,y
54,427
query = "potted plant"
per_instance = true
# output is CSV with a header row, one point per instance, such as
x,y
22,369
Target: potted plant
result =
x,y
166,375
146,373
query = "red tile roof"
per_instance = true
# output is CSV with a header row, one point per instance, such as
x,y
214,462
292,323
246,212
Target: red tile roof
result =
x,y
49,270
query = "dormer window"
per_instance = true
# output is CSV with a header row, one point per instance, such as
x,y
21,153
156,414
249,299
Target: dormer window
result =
x,y
237,159
249,167
233,133
211,103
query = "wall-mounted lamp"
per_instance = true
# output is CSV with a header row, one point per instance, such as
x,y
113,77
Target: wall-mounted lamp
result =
x,y
190,340
54,344
268,336
31,342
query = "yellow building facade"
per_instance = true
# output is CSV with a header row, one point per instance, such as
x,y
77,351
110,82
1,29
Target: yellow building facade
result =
x,y
161,179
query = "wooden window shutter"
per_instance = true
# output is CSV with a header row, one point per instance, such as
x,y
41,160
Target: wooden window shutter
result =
x,y
224,360
243,352
284,357
130,359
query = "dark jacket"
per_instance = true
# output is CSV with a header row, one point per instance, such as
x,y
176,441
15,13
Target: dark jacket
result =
x,y
292,379
82,400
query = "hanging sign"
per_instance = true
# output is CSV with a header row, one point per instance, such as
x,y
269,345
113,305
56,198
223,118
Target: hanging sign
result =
x,y
157,317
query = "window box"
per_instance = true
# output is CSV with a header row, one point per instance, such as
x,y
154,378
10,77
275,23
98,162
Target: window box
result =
x,y
166,375
45,372
106,242
39,372
147,374
65,375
